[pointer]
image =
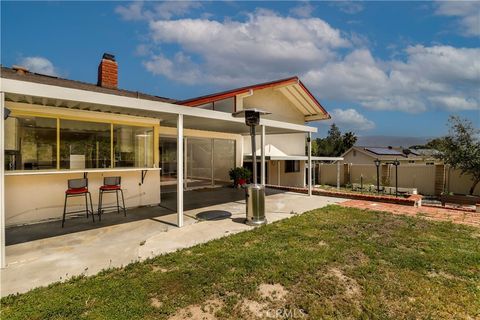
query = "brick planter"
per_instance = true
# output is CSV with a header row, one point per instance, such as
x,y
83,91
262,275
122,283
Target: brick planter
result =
x,y
413,200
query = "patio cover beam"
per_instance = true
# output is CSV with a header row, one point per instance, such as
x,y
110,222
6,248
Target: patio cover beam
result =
x,y
262,154
167,112
180,171
309,140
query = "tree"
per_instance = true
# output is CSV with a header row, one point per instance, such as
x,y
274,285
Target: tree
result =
x,y
461,148
314,147
349,140
435,143
335,143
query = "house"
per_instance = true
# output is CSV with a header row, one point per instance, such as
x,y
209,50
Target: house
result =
x,y
287,100
58,129
367,155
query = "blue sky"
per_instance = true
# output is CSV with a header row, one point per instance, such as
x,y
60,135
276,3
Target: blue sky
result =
x,y
380,68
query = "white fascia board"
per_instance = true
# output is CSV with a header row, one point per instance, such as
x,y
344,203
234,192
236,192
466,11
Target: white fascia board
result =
x,y
62,93
286,125
327,158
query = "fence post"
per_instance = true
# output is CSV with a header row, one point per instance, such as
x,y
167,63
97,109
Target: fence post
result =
x,y
385,174
346,173
439,179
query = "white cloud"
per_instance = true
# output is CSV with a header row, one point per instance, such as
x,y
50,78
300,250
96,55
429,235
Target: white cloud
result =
x,y
456,103
349,7
263,47
134,11
411,85
333,64
467,11
351,119
137,10
170,9
39,65
304,10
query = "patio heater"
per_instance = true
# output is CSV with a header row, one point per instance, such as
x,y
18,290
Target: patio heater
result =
x,y
254,193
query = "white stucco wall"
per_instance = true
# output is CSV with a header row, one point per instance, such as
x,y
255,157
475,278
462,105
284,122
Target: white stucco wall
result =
x,y
275,102
291,179
292,144
33,198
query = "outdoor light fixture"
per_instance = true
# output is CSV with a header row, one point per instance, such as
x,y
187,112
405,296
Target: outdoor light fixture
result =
x,y
6,113
255,193
377,163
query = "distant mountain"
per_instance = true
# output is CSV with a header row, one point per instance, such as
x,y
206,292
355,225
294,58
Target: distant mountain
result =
x,y
384,141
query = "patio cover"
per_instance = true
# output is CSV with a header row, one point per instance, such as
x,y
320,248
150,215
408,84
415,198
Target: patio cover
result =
x,y
168,114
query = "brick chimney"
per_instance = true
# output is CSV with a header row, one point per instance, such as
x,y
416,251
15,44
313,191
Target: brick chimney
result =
x,y
108,72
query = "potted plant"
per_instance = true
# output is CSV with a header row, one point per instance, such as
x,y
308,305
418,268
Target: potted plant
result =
x,y
239,176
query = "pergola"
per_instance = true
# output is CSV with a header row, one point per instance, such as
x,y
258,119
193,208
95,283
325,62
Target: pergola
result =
x,y
169,115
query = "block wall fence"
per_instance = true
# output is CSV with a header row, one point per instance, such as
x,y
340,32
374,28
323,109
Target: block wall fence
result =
x,y
430,180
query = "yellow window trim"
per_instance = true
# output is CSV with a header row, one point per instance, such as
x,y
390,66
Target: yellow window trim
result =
x,y
28,110
32,110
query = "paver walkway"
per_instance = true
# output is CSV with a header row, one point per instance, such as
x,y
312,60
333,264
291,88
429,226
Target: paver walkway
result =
x,y
432,213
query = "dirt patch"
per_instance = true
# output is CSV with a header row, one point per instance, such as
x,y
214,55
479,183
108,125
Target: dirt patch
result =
x,y
322,243
271,295
206,311
159,269
154,302
357,258
255,308
273,292
352,289
442,274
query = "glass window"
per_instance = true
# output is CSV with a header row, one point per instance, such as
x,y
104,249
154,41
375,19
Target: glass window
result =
x,y
199,161
133,146
292,166
223,158
84,145
30,143
225,105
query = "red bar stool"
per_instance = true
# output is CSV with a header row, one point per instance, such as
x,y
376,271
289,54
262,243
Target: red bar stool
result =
x,y
111,185
77,188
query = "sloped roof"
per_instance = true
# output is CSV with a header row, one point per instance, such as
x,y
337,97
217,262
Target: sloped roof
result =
x,y
390,153
9,73
193,102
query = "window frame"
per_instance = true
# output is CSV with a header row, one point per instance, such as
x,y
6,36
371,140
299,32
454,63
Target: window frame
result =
x,y
88,116
294,168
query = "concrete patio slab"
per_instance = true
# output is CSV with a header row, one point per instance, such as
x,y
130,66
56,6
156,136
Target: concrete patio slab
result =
x,y
46,260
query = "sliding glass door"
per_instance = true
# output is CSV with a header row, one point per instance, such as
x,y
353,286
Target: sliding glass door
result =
x,y
206,162
199,162
223,159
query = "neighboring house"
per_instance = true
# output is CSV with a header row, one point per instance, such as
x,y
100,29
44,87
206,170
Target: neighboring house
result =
x,y
367,155
58,129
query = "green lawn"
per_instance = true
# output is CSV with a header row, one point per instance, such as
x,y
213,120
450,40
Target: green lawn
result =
x,y
333,262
